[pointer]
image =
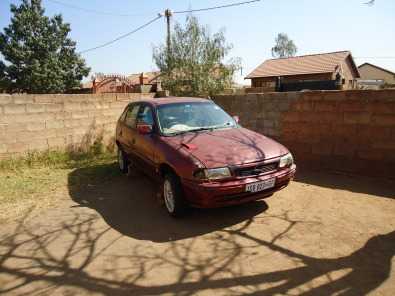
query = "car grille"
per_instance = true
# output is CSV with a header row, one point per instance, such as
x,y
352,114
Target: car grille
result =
x,y
256,170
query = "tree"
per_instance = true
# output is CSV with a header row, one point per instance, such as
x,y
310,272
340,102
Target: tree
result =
x,y
194,63
39,56
284,47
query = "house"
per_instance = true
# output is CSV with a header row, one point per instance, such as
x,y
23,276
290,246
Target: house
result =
x,y
334,70
134,83
373,76
146,81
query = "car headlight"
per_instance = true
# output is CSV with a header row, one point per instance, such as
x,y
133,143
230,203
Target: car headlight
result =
x,y
286,161
213,174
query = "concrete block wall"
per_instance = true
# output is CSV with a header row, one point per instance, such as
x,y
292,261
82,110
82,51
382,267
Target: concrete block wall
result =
x,y
42,122
352,131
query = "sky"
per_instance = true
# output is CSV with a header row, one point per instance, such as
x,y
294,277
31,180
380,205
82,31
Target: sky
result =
x,y
315,26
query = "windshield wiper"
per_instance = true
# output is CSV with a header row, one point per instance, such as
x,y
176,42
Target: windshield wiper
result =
x,y
208,128
190,131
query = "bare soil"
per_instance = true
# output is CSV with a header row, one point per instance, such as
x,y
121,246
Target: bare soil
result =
x,y
325,234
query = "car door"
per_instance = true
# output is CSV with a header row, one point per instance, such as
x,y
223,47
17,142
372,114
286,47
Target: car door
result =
x,y
146,143
128,130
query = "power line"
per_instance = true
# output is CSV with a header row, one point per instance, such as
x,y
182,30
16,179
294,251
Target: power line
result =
x,y
91,10
122,36
158,17
388,58
217,7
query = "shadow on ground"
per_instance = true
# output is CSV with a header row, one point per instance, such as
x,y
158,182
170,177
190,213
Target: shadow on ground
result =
x,y
129,205
361,184
80,254
68,260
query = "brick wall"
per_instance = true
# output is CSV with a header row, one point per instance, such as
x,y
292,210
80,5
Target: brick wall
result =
x,y
343,130
351,131
41,122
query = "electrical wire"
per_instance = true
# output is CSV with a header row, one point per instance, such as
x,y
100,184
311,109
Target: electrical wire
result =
x,y
374,58
91,10
122,36
216,7
158,17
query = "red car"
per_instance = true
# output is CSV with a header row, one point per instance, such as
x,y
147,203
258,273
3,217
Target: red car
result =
x,y
200,154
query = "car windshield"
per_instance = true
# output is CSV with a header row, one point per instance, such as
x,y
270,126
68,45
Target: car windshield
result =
x,y
180,118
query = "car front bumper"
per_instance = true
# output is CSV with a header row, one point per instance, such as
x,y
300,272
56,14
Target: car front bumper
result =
x,y
232,192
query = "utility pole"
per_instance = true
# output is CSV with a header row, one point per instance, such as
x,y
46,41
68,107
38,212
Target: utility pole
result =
x,y
168,15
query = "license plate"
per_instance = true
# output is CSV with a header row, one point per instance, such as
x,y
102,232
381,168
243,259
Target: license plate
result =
x,y
260,186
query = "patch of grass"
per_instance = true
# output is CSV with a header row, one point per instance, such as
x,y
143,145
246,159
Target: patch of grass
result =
x,y
38,180
54,159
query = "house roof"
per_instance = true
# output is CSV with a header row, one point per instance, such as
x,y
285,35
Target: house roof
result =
x,y
374,66
300,65
153,77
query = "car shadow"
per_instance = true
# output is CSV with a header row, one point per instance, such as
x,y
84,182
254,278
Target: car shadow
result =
x,y
130,206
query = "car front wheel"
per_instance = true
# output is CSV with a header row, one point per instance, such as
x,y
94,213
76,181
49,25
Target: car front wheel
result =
x,y
172,195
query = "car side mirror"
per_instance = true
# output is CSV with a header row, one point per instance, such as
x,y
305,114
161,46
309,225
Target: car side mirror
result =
x,y
144,128
236,118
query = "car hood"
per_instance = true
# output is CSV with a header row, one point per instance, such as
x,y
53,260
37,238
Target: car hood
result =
x,y
227,147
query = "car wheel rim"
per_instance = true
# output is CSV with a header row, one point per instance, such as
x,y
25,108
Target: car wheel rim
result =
x,y
120,160
168,196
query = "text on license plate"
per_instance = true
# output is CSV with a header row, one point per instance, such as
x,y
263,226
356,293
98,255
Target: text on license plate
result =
x,y
262,185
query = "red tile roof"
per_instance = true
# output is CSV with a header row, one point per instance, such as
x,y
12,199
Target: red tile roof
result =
x,y
307,64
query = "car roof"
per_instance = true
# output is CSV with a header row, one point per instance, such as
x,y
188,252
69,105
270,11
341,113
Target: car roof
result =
x,y
171,100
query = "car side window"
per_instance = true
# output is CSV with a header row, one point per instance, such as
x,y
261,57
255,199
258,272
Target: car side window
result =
x,y
131,115
145,115
122,117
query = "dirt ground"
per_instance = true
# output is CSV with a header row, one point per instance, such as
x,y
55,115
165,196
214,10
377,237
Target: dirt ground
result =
x,y
325,234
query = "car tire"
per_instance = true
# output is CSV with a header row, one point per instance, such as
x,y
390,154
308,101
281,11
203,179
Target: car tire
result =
x,y
123,162
173,197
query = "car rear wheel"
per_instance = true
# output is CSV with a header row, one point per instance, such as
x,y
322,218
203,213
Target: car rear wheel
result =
x,y
123,162
172,194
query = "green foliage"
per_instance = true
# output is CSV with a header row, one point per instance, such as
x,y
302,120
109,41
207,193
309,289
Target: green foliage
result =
x,y
193,65
284,47
39,56
56,159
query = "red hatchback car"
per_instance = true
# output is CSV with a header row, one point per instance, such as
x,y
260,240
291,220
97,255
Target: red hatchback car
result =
x,y
200,154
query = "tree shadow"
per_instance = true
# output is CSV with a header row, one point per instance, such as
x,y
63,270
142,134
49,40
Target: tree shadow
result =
x,y
149,253
60,257
130,206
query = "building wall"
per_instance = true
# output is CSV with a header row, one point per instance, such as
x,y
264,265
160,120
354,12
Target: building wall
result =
x,y
271,81
351,131
372,73
266,83
41,122
349,74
